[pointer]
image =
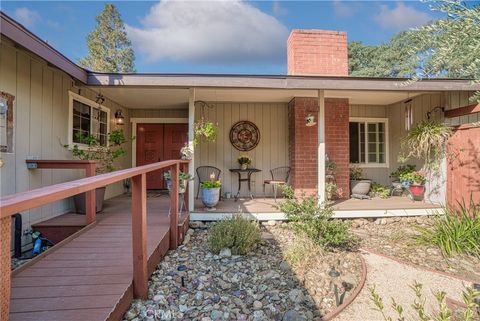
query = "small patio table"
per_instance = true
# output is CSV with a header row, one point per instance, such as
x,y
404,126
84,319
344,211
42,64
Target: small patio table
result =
x,y
248,179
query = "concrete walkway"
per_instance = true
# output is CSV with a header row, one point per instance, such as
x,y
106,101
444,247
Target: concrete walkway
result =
x,y
393,279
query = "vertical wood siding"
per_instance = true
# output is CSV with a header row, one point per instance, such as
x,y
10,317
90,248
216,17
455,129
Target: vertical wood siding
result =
x,y
272,151
41,127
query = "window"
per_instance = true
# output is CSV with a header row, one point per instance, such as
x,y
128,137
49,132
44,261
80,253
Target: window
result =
x,y
368,142
87,118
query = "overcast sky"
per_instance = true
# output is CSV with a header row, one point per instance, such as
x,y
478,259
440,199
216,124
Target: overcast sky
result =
x,y
218,36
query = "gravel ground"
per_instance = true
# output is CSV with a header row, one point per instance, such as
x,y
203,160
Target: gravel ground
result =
x,y
393,279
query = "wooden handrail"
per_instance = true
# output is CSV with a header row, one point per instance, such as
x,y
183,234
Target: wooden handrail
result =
x,y
14,203
90,168
11,204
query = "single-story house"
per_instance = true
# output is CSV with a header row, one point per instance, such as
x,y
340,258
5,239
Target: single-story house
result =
x,y
313,113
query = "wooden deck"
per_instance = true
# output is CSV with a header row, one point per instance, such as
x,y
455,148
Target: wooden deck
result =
x,y
90,277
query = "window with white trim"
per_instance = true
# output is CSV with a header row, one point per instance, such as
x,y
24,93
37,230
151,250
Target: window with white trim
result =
x,y
368,141
88,118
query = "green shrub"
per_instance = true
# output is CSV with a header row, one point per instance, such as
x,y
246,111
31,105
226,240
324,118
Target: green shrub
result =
x,y
307,217
238,234
379,190
458,231
443,313
402,170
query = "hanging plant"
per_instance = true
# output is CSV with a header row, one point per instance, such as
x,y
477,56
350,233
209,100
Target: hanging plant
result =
x,y
427,141
205,131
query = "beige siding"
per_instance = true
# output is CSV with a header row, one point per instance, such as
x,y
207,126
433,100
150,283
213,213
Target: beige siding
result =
x,y
370,111
41,110
457,99
271,152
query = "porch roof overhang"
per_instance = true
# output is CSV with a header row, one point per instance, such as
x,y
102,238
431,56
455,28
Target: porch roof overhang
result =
x,y
278,82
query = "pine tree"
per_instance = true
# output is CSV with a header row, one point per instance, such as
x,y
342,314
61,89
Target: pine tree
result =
x,y
109,49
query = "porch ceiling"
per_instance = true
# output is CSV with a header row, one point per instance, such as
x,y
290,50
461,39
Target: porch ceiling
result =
x,y
157,98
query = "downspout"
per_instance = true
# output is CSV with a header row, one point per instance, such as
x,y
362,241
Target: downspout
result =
x,y
321,147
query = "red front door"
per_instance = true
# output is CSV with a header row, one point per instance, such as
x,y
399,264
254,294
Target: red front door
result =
x,y
159,142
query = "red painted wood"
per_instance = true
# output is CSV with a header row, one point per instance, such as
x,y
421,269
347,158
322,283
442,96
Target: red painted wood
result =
x,y
176,135
463,171
174,170
149,142
139,236
475,108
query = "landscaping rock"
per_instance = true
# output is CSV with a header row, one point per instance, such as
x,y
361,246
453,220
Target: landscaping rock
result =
x,y
293,315
226,252
196,224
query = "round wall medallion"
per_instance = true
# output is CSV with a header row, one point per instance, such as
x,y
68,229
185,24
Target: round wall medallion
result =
x,y
244,135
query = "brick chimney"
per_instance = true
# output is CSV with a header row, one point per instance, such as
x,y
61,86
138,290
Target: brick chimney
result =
x,y
317,52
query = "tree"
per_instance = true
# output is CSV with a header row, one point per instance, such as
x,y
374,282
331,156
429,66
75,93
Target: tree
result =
x,y
452,45
109,49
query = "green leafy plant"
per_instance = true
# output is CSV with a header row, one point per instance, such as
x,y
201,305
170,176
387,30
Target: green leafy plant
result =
x,y
330,189
356,173
379,190
182,177
244,159
443,313
210,184
237,233
330,167
205,131
105,156
413,177
455,232
308,218
402,170
427,141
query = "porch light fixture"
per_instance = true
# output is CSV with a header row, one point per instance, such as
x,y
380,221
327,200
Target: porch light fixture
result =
x,y
119,118
310,120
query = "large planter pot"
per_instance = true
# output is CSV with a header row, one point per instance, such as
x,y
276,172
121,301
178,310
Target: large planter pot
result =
x,y
181,190
210,197
360,187
79,201
417,192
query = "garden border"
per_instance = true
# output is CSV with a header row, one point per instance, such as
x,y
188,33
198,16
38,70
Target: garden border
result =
x,y
419,267
335,312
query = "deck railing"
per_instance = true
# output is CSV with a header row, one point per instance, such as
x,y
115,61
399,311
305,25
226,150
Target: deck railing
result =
x,y
15,203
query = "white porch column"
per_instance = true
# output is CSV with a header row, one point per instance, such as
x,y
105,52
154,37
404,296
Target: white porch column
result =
x,y
321,146
191,166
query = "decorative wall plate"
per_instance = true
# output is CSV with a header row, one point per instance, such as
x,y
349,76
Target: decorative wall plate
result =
x,y
244,135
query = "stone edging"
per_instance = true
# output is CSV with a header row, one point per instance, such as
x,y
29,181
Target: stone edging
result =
x,y
332,314
418,266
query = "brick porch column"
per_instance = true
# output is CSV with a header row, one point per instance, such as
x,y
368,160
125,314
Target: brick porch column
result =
x,y
318,53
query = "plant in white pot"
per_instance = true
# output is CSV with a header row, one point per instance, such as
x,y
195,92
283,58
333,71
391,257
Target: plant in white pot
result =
x,y
359,187
244,161
104,156
210,194
183,178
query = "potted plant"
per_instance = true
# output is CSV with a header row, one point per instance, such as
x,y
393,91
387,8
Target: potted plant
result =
x,y
244,161
417,184
359,187
210,194
105,156
205,131
330,190
330,167
400,176
183,178
186,152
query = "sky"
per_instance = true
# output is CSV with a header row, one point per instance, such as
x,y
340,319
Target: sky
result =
x,y
239,37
